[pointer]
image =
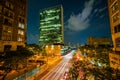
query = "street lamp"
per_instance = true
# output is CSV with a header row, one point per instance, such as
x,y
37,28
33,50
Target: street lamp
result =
x,y
52,49
81,59
46,49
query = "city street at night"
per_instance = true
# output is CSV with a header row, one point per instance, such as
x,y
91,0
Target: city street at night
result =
x,y
57,73
59,39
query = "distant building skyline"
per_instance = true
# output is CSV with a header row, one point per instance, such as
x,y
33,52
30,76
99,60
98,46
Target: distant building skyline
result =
x,y
13,22
51,26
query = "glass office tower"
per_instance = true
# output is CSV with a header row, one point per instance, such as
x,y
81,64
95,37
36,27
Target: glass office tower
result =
x,y
51,26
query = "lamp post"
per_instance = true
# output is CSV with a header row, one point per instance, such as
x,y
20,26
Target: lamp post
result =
x,y
46,52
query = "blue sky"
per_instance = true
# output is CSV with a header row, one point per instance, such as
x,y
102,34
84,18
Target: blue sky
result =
x,y
82,19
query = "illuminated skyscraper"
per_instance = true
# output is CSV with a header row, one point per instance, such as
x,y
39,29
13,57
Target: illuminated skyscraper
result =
x,y
51,26
13,20
114,15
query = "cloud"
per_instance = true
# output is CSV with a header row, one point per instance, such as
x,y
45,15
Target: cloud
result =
x,y
102,9
81,21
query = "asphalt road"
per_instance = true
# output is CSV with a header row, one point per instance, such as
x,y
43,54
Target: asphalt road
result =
x,y
57,73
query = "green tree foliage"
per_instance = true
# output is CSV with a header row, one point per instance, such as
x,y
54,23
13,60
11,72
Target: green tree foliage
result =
x,y
14,60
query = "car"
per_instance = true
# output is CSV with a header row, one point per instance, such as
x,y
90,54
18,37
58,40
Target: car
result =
x,y
66,75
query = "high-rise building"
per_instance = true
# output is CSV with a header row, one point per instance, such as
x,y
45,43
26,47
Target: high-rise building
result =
x,y
51,26
114,16
13,22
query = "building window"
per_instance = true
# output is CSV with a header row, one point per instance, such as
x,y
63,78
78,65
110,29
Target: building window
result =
x,y
115,7
113,62
10,14
6,11
21,20
21,32
7,22
9,5
22,13
7,33
20,25
117,28
6,36
115,17
117,41
20,39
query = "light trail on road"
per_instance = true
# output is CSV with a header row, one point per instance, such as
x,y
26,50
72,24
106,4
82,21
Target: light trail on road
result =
x,y
57,72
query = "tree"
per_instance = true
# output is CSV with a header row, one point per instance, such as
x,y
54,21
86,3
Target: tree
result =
x,y
15,58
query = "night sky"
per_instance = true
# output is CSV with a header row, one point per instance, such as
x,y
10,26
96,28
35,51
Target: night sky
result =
x,y
82,19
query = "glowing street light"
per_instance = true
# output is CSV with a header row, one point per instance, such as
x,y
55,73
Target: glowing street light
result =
x,y
46,46
81,59
52,47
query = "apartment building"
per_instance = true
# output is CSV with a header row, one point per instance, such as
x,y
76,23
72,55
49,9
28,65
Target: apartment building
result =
x,y
13,24
114,16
